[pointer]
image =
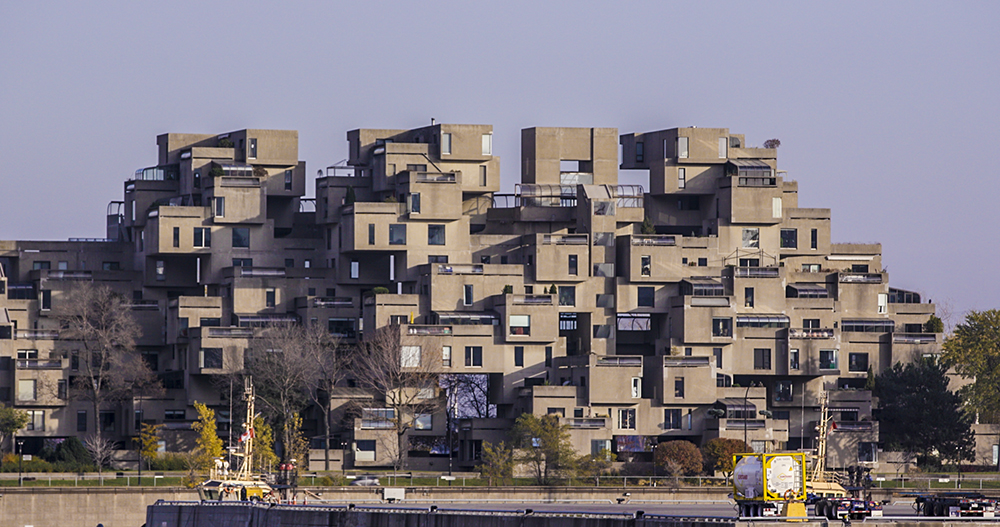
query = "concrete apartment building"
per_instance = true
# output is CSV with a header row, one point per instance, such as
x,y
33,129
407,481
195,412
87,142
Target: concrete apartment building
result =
x,y
731,313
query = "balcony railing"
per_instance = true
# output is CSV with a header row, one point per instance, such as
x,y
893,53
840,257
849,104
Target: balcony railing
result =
x,y
757,272
428,330
69,275
259,271
435,177
654,239
239,181
333,301
854,426
531,300
564,239
460,269
914,338
577,422
229,332
38,334
860,278
749,424
619,361
810,333
39,364
144,305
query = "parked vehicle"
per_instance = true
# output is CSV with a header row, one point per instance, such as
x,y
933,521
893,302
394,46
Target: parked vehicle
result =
x,y
954,504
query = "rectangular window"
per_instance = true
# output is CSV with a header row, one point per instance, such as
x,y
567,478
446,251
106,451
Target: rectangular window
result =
x,y
783,391
813,238
27,389
290,263
567,295
722,327
519,356
640,152
828,360
626,418
202,237
437,258
371,234
355,269
435,235
775,207
41,265
883,303
409,357
210,358
761,359
474,356
288,180
645,265
269,297
46,299
377,418
702,262
81,420
241,237
810,268
793,359
682,147
397,234
636,387
681,178
242,262
446,356
487,144
573,269
252,151
748,296
220,206
36,420
548,356
679,387
161,270
717,353
810,323
482,175
789,238
62,265
868,452
672,419
177,236
467,294
173,415
646,296
415,203
857,362
423,422
751,238
520,324
445,144
723,147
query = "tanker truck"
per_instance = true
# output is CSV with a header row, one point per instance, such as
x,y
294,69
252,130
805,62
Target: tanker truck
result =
x,y
769,484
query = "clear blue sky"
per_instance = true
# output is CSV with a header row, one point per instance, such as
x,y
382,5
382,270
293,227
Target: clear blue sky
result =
x,y
886,111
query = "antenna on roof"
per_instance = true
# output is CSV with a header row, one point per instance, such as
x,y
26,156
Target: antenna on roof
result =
x,y
432,121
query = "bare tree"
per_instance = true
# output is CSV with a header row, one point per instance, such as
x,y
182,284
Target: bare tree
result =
x,y
403,376
101,449
469,394
278,362
329,361
110,370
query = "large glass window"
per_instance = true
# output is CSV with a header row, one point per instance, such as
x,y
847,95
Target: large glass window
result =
x,y
857,362
626,418
567,295
672,419
435,235
410,357
761,359
445,144
202,237
474,356
397,234
645,265
573,266
828,360
210,358
377,418
783,391
682,147
241,237
722,327
789,238
487,144
467,297
646,296
520,324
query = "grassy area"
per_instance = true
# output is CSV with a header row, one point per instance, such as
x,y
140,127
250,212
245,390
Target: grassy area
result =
x,y
93,481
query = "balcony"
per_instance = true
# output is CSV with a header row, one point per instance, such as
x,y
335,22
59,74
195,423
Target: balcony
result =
x,y
229,332
460,269
619,361
644,240
39,364
914,338
428,330
531,300
860,278
740,424
565,239
756,272
810,333
854,426
37,334
333,301
434,177
69,275
144,305
258,271
225,181
590,423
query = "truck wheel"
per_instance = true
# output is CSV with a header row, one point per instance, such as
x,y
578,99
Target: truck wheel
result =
x,y
820,508
831,510
940,509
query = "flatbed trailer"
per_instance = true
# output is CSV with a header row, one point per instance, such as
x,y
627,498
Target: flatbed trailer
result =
x,y
954,504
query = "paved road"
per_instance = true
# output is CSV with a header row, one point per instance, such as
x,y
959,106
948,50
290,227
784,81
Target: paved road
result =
x,y
705,508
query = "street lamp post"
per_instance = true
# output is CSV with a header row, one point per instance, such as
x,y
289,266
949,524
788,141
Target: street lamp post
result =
x,y
20,458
